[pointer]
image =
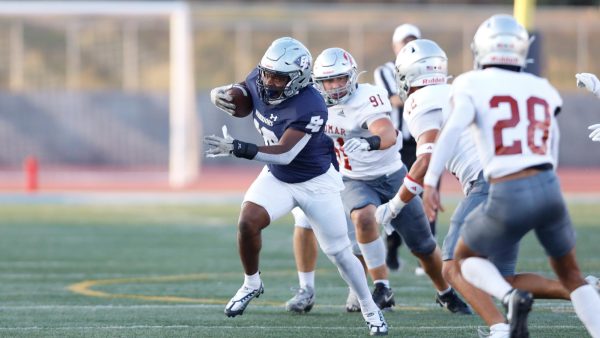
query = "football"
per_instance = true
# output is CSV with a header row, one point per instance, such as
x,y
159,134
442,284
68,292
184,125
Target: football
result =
x,y
240,96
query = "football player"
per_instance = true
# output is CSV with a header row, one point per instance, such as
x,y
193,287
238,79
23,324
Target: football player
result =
x,y
367,147
421,73
290,114
512,119
384,78
590,82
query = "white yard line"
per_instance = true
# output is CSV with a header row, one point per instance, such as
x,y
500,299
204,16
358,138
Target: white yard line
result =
x,y
133,327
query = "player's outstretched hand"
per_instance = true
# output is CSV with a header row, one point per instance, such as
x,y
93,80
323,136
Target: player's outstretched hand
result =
x,y
384,215
431,202
588,81
220,98
595,134
356,144
219,146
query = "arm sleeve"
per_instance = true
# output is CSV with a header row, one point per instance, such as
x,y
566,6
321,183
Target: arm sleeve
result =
x,y
284,158
462,115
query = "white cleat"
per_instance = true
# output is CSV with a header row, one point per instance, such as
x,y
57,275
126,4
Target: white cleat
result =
x,y
376,323
242,298
352,304
593,281
302,302
496,331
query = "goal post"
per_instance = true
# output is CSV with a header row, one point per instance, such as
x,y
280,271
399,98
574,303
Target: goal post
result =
x,y
184,128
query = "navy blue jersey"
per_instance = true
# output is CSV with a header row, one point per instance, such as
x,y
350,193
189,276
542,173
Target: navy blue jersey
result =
x,y
305,112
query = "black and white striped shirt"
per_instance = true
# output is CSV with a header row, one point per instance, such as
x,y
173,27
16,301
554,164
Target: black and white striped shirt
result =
x,y
385,77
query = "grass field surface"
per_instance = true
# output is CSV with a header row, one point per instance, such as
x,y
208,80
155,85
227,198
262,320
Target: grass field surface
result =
x,y
164,270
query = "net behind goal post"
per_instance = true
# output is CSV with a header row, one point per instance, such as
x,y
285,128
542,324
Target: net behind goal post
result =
x,y
99,84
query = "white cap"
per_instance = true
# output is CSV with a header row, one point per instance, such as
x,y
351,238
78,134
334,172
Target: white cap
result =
x,y
405,30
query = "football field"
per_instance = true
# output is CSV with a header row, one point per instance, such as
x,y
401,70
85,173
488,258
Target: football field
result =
x,y
167,270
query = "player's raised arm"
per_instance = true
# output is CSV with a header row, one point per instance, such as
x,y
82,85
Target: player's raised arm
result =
x,y
590,82
421,67
463,113
291,143
384,136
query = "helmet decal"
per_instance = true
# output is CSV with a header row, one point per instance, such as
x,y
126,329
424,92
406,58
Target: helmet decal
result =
x,y
500,40
285,57
420,63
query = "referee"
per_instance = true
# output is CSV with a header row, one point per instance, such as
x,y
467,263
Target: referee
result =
x,y
385,77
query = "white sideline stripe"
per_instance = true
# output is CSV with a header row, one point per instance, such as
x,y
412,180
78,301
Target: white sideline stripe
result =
x,y
109,307
120,198
133,327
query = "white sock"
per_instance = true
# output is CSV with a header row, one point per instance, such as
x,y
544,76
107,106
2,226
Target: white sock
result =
x,y
385,282
373,253
252,281
441,293
485,276
307,279
586,302
500,327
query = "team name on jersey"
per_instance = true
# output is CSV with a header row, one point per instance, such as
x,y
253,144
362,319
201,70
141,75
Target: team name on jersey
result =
x,y
331,129
264,119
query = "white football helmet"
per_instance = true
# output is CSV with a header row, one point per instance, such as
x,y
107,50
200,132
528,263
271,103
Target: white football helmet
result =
x,y
333,63
500,40
420,63
285,57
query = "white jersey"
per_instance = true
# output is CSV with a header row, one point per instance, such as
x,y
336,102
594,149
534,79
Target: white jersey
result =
x,y
514,124
427,109
352,119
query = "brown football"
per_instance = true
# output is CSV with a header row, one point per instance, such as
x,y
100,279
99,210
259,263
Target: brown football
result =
x,y
240,96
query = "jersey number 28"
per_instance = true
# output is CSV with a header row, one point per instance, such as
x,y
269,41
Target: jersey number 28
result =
x,y
543,126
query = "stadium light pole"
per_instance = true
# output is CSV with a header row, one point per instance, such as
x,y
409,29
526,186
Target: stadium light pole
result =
x,y
524,12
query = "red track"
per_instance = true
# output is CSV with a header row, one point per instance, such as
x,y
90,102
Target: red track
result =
x,y
222,179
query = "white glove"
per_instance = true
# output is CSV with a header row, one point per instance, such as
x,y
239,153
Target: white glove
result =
x,y
595,134
386,212
221,146
588,81
355,144
220,98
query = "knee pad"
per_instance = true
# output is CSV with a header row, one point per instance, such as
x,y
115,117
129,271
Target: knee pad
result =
x,y
373,253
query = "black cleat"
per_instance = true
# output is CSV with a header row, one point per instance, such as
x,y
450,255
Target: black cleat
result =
x,y
242,298
518,304
451,301
383,297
